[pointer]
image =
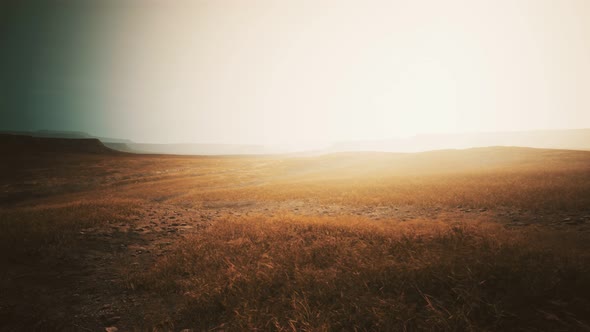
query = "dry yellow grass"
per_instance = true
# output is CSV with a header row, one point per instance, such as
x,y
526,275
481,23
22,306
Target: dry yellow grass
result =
x,y
365,241
50,230
296,273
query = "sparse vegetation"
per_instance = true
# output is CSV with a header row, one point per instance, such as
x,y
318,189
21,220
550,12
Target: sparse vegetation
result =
x,y
323,274
483,239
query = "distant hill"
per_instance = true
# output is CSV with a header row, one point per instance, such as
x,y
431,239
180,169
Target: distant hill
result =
x,y
436,161
574,139
191,149
65,134
125,145
11,144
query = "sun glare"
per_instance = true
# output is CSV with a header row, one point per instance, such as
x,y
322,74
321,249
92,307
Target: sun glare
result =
x,y
301,72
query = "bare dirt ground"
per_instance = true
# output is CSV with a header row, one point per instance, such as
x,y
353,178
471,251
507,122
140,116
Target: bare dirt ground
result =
x,y
83,283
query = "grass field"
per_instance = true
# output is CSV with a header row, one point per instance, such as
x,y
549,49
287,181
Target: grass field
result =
x,y
490,239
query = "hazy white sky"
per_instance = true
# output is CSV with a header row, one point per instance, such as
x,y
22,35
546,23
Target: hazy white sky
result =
x,y
318,71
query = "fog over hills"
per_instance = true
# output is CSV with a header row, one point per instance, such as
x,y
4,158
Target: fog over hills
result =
x,y
574,139
64,134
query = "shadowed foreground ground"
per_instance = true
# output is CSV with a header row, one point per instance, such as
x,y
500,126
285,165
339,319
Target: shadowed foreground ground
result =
x,y
485,239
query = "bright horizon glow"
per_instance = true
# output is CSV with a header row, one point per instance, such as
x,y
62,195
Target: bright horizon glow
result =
x,y
312,72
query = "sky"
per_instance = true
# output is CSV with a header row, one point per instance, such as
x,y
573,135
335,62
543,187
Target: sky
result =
x,y
294,72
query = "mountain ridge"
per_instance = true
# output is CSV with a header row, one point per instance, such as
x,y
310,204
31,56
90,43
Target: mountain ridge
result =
x,y
566,139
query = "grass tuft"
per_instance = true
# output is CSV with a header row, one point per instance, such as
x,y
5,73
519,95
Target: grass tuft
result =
x,y
320,274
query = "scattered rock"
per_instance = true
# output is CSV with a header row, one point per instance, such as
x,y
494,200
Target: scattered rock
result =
x,y
111,329
113,319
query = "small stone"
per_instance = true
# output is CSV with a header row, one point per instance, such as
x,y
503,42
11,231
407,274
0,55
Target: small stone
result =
x,y
111,329
114,319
